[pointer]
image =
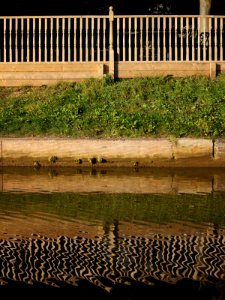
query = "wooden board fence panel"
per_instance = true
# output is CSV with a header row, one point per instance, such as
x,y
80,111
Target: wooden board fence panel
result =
x,y
177,69
35,74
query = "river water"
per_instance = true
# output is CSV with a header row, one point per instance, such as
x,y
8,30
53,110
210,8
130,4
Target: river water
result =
x,y
113,234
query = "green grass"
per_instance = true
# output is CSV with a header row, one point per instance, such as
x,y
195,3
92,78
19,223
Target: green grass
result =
x,y
141,107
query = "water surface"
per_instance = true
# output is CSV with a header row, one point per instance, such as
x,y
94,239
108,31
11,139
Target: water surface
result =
x,y
113,234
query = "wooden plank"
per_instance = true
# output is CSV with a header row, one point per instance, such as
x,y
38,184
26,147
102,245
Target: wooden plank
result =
x,y
134,66
183,73
36,82
48,66
181,69
47,75
35,74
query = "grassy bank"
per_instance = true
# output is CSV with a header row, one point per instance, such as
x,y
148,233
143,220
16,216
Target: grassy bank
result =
x,y
142,107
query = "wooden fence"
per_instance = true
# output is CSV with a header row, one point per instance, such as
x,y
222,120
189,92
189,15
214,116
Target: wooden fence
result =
x,y
70,47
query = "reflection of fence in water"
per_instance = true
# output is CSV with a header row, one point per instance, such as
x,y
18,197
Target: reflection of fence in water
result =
x,y
118,260
135,38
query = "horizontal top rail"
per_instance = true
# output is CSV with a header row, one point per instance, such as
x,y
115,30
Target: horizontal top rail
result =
x,y
171,16
115,15
55,17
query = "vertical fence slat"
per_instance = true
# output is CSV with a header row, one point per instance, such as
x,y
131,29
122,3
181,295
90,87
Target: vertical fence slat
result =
x,y
135,39
10,40
222,42
210,40
124,40
204,38
118,38
57,39
34,42
68,40
45,40
153,39
193,28
28,40
215,43
199,38
51,40
39,40
170,40
86,39
147,39
92,38
164,39
158,38
181,39
175,38
98,39
22,40
4,38
63,39
81,40
129,41
75,40
104,39
141,39
188,34
16,40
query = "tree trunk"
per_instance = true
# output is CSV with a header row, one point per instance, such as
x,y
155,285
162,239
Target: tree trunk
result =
x,y
205,7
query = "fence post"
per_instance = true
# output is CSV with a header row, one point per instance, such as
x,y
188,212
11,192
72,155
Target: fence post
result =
x,y
212,70
111,50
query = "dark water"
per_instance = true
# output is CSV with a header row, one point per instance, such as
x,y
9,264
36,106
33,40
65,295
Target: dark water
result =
x,y
113,234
